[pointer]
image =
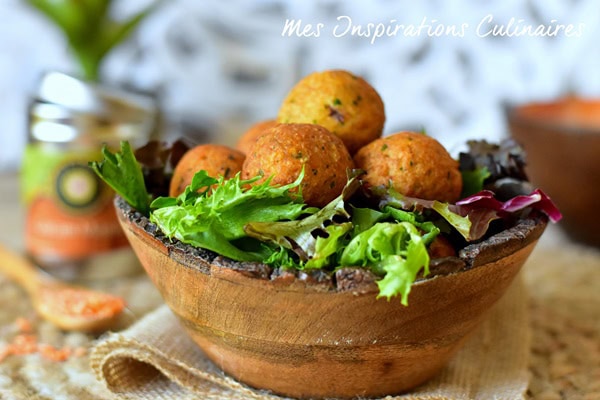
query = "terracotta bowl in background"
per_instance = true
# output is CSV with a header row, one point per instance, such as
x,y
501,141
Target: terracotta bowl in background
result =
x,y
562,141
302,338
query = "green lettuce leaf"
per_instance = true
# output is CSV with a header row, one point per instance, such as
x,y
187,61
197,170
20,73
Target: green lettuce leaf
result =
x,y
401,271
430,229
301,235
473,225
123,173
473,180
364,218
326,248
394,250
284,258
212,213
297,235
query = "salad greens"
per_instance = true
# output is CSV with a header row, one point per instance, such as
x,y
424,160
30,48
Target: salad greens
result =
x,y
249,221
297,235
473,180
122,172
215,218
395,251
471,216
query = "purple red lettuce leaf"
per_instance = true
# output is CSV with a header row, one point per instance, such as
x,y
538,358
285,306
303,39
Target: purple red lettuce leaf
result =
x,y
486,199
472,215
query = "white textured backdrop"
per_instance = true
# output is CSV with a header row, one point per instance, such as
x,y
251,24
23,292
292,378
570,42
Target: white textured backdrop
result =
x,y
220,65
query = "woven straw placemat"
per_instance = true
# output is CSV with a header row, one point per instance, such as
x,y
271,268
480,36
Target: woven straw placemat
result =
x,y
563,282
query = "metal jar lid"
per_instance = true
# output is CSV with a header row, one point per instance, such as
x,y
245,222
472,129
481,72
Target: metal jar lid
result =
x,y
65,108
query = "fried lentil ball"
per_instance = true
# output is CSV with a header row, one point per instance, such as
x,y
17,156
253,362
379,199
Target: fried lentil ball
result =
x,y
286,148
415,164
345,104
217,160
249,137
441,247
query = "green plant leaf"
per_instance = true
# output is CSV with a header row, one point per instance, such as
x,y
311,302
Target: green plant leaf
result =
x,y
96,14
115,33
64,14
89,29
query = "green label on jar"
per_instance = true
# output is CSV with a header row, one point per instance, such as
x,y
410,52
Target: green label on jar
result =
x,y
60,174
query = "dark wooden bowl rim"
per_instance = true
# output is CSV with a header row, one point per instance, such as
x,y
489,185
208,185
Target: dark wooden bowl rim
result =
x,y
493,248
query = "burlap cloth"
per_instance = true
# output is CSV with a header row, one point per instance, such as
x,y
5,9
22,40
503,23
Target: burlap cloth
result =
x,y
155,359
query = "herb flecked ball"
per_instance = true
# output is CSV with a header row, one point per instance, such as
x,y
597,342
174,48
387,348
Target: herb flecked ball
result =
x,y
414,164
345,104
217,160
285,149
249,137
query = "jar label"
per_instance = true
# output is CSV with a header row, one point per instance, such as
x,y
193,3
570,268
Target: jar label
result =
x,y
77,186
69,210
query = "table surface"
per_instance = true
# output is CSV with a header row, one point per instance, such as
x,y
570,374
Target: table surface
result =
x,y
562,277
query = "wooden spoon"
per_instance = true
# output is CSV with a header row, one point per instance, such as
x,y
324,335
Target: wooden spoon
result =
x,y
69,307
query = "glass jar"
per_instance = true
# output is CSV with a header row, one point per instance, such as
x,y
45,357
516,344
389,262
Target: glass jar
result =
x,y
71,230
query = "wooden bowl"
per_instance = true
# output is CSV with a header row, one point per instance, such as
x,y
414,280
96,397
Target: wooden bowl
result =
x,y
304,339
562,142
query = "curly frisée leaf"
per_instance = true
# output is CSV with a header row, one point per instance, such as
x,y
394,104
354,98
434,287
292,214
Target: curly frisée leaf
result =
x,y
299,235
212,213
395,250
327,247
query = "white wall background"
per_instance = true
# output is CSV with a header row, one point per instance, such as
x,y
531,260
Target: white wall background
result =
x,y
225,64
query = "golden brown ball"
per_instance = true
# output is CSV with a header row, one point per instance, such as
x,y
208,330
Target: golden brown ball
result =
x,y
345,104
286,148
249,137
216,159
415,164
441,247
